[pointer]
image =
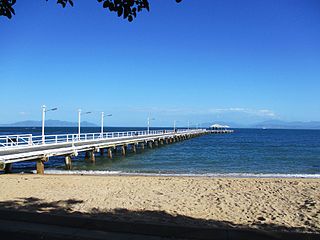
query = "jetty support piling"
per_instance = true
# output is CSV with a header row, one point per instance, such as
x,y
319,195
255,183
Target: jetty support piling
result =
x,y
142,146
161,141
150,144
115,150
90,156
87,155
110,152
134,149
101,152
68,162
8,168
40,166
156,143
123,150
2,166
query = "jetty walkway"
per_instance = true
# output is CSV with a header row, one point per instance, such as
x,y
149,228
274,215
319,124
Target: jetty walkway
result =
x,y
19,148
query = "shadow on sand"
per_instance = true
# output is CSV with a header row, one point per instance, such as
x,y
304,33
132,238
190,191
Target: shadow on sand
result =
x,y
147,223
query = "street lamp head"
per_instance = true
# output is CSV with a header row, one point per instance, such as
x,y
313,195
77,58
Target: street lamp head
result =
x,y
48,110
83,113
109,115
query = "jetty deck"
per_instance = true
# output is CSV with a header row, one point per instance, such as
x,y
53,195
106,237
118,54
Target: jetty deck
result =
x,y
19,148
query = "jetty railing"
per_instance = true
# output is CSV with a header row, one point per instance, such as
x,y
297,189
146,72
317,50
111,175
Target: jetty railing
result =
x,y
27,140
15,140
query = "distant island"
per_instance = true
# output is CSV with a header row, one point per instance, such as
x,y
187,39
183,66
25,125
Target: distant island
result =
x,y
272,124
277,124
48,123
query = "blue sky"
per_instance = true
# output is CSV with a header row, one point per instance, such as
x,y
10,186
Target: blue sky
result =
x,y
202,61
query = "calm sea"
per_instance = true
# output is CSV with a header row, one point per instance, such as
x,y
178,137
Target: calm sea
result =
x,y
246,152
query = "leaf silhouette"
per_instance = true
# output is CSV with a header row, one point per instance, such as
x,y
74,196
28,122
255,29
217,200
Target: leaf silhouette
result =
x,y
126,8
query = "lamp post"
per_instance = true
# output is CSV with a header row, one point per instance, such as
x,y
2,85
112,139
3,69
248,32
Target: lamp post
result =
x,y
188,125
44,110
102,121
149,119
79,121
174,125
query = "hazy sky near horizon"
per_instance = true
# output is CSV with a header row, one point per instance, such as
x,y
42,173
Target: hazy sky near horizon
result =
x,y
202,61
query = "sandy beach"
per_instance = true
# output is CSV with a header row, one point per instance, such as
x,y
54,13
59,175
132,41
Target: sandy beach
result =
x,y
270,204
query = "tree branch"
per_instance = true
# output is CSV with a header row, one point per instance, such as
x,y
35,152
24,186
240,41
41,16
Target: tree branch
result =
x,y
128,9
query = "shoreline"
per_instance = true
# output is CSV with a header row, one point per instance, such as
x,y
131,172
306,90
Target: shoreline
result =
x,y
196,175
279,204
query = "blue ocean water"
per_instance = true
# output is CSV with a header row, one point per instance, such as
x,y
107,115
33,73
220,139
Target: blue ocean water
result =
x,y
245,152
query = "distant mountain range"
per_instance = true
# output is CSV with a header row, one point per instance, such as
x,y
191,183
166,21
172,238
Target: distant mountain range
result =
x,y
48,123
272,124
277,124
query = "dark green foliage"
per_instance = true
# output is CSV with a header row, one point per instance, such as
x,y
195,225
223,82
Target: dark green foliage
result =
x,y
128,9
6,8
64,2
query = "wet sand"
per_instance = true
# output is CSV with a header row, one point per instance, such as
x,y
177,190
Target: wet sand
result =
x,y
269,204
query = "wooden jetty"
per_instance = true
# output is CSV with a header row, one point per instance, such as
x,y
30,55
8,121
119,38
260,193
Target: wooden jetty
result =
x,y
19,148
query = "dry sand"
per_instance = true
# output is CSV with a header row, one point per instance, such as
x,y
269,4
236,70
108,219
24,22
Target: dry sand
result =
x,y
277,204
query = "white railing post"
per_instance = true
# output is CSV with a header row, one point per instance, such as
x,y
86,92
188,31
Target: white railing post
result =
x,y
30,140
43,122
